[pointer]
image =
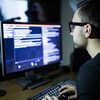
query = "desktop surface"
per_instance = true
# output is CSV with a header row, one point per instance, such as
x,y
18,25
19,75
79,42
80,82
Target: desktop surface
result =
x,y
15,92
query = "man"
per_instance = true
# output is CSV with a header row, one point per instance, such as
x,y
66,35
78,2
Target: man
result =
x,y
85,29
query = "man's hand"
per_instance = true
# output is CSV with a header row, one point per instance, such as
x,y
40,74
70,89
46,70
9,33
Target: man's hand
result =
x,y
47,97
69,89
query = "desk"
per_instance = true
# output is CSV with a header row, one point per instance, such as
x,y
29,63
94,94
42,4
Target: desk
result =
x,y
15,92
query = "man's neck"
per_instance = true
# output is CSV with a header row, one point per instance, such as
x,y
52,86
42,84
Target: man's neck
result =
x,y
93,47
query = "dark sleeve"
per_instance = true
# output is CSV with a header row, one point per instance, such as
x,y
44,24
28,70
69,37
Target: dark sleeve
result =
x,y
86,83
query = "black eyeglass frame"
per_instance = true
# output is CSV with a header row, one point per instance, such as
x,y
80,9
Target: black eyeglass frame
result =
x,y
75,24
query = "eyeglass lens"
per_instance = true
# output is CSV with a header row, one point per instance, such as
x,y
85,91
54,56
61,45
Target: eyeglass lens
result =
x,y
71,27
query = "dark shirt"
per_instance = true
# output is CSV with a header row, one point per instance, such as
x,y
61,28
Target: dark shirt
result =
x,y
88,81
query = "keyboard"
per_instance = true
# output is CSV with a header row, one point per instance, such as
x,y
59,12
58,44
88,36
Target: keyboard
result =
x,y
52,90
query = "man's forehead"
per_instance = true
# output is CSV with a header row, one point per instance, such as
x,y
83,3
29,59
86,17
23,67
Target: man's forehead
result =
x,y
76,17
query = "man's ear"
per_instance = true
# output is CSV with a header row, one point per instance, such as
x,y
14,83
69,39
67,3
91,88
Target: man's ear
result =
x,y
88,30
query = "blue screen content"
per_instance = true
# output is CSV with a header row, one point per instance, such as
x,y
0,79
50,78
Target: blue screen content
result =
x,y
27,46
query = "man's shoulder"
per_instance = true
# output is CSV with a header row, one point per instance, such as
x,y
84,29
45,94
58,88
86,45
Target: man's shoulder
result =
x,y
91,65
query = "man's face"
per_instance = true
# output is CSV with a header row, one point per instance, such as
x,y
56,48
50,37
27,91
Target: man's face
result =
x,y
78,32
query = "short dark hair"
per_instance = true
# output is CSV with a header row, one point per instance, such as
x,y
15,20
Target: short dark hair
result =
x,y
90,12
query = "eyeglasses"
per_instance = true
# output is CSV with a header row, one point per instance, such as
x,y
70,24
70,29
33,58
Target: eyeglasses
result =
x,y
73,24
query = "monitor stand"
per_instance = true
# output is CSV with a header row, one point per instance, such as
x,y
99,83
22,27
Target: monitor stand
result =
x,y
2,92
31,80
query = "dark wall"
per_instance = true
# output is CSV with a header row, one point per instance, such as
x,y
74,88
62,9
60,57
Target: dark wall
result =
x,y
51,9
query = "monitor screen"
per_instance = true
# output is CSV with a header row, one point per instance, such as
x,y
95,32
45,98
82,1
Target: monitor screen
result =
x,y
27,46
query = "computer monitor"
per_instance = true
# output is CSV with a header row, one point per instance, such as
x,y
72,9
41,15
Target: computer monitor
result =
x,y
28,46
